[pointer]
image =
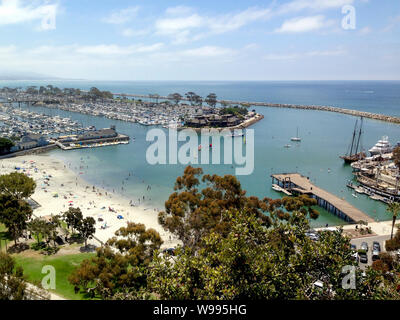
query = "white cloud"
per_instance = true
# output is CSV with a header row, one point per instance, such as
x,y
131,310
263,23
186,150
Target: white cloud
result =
x,y
184,24
232,22
18,11
303,24
175,25
8,49
297,5
122,16
207,51
309,54
128,32
115,50
365,31
179,10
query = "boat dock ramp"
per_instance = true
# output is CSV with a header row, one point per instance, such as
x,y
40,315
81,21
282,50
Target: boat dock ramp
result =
x,y
297,184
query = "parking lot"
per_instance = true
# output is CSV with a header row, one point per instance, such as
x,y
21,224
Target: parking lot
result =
x,y
370,240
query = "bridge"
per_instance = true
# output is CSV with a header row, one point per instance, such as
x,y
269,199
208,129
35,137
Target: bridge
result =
x,y
298,184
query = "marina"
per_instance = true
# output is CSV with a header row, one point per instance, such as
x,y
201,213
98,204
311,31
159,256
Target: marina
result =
x,y
119,107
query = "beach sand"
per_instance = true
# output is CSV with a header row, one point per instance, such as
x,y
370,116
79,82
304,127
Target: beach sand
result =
x,y
58,188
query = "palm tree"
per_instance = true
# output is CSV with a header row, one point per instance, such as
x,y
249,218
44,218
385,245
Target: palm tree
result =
x,y
394,209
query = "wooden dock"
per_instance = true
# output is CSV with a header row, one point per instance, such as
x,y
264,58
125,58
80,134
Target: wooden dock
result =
x,y
298,184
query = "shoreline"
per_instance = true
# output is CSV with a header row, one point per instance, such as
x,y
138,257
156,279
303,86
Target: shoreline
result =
x,y
58,187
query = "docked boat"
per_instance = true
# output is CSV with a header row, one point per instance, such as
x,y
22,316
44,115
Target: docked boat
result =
x,y
355,151
381,147
235,135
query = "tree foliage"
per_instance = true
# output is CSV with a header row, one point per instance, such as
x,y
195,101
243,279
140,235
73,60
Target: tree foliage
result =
x,y
73,217
121,266
254,261
211,100
12,283
5,145
192,214
14,214
17,185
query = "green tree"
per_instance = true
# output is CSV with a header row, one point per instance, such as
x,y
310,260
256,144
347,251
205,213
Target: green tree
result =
x,y
14,214
254,261
120,268
12,283
176,97
192,214
211,100
73,217
39,228
17,185
394,209
191,97
87,229
5,145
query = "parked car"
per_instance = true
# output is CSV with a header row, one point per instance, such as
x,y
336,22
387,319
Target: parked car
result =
x,y
312,235
376,250
354,255
363,257
364,246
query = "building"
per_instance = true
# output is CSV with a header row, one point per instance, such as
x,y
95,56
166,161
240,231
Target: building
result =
x,y
98,134
30,141
213,121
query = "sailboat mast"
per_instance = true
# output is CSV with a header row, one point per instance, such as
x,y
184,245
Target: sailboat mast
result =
x,y
354,136
359,135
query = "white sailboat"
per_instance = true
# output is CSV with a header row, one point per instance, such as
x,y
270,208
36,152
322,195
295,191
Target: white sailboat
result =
x,y
297,139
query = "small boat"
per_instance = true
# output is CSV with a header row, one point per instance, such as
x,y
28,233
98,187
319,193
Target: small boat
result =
x,y
354,195
276,188
296,139
235,135
287,146
359,190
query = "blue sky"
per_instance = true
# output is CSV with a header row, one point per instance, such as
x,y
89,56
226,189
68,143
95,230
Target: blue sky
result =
x,y
201,40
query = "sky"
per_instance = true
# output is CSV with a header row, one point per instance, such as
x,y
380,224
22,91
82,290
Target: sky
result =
x,y
202,40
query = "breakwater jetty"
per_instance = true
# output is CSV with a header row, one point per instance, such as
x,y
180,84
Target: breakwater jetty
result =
x,y
356,113
298,184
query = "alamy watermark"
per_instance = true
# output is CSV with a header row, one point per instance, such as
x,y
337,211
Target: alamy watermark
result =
x,y
194,153
49,280
349,20
349,280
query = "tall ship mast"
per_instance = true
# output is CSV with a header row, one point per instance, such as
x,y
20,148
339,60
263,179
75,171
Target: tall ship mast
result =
x,y
355,152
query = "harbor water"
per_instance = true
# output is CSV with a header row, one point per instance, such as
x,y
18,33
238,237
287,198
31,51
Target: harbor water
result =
x,y
325,136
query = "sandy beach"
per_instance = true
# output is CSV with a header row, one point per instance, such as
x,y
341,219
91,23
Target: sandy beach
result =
x,y
58,188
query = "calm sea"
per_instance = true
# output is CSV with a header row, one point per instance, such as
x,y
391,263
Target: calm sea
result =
x,y
325,136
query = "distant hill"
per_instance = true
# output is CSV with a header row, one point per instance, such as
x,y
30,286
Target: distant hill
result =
x,y
7,75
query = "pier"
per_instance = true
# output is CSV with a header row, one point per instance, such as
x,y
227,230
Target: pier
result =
x,y
298,184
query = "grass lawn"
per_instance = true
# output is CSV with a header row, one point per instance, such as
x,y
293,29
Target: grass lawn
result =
x,y
63,265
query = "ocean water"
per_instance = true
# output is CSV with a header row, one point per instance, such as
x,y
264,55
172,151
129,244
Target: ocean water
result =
x,y
325,136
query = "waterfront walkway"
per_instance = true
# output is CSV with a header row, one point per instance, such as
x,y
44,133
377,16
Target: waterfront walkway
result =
x,y
299,184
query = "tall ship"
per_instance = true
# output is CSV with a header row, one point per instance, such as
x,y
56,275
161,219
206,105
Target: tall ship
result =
x,y
381,147
355,151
